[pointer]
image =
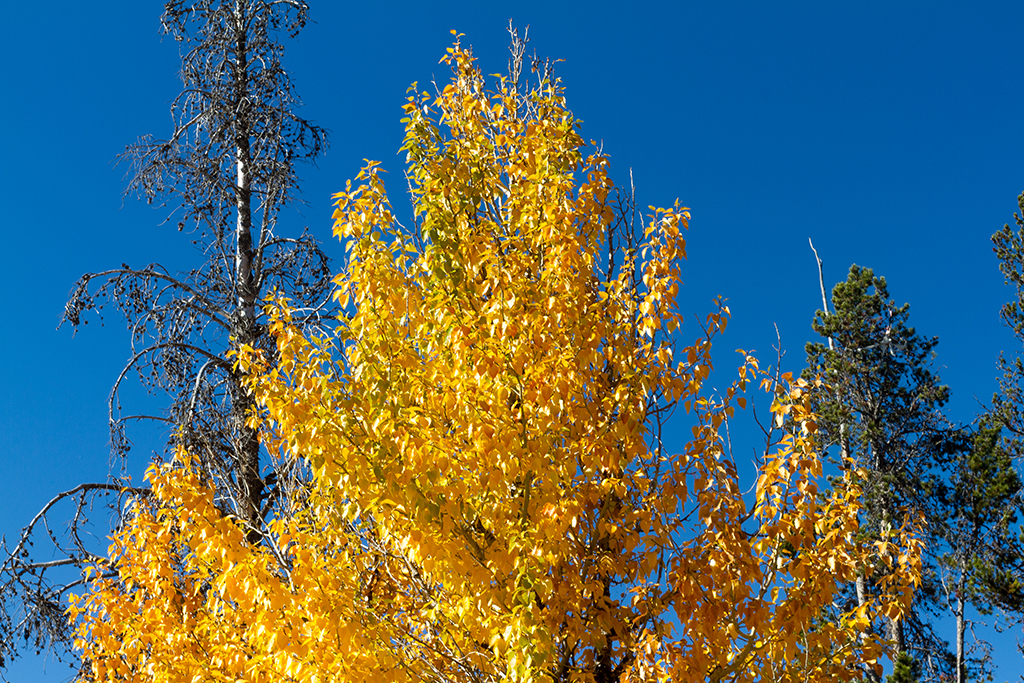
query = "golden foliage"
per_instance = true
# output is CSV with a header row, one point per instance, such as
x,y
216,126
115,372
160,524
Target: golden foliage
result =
x,y
489,494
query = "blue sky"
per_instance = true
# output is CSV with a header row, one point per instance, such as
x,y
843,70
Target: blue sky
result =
x,y
888,132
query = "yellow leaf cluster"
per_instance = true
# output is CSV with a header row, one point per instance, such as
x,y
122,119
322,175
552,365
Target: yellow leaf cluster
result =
x,y
489,495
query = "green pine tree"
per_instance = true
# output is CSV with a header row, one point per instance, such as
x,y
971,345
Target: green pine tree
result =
x,y
1008,245
982,502
905,670
884,411
1000,574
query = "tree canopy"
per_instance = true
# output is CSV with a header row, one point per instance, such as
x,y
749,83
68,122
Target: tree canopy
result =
x,y
489,492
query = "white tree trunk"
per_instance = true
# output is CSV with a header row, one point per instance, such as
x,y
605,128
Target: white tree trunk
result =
x,y
961,626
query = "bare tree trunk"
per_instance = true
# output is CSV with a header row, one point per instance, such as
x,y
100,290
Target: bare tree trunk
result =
x,y
898,636
961,626
244,254
249,480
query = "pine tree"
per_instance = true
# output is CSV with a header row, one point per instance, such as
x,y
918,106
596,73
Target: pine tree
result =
x,y
905,670
982,502
1008,245
1003,576
884,413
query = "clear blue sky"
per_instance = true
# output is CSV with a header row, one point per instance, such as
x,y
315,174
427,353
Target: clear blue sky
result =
x,y
889,132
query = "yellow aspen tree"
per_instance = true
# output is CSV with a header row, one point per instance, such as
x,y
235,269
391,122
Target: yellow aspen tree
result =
x,y
489,492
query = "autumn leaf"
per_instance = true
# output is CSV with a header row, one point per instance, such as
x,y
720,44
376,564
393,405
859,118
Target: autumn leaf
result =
x,y
489,495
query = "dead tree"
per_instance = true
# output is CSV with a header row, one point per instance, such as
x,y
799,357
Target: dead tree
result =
x,y
224,175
